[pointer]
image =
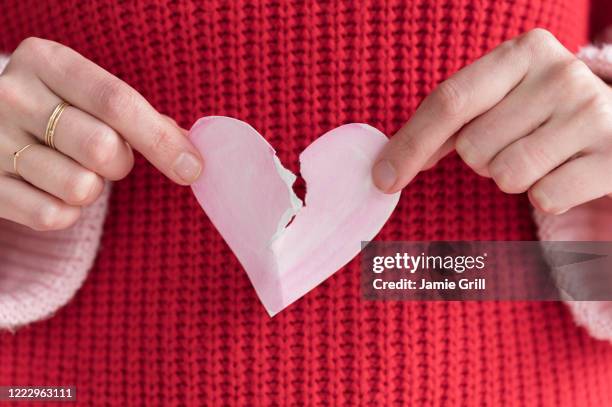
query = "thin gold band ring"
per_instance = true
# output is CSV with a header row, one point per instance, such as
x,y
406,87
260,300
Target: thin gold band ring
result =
x,y
52,124
16,155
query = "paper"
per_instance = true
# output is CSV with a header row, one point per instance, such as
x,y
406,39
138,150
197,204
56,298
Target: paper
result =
x,y
248,196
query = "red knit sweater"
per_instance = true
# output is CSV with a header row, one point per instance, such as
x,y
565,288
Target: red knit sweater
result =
x,y
168,317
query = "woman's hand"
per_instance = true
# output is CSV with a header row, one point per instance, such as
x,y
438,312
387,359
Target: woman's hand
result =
x,y
530,115
92,138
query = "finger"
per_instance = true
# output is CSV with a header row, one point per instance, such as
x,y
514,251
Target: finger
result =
x,y
57,175
455,102
78,135
26,205
523,110
516,168
93,144
480,140
576,182
171,120
115,103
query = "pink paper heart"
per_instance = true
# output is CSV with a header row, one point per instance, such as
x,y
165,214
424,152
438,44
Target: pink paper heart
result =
x,y
248,196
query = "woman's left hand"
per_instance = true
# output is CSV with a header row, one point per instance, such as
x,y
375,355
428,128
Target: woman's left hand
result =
x,y
529,115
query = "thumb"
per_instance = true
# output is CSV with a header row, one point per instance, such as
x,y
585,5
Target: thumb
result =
x,y
407,153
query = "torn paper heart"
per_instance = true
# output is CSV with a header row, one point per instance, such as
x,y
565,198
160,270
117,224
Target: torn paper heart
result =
x,y
248,196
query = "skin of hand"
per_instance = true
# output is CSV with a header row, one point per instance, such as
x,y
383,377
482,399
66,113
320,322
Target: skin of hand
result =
x,y
94,136
529,115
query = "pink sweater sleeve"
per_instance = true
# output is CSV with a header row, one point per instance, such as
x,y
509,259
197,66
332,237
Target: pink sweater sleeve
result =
x,y
41,271
599,59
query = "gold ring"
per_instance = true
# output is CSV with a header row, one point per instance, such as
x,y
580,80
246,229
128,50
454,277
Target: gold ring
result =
x,y
52,123
16,155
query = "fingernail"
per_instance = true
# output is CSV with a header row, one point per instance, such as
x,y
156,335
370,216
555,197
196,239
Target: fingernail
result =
x,y
187,167
384,175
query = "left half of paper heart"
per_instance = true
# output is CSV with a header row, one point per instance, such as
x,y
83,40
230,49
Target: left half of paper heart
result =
x,y
288,248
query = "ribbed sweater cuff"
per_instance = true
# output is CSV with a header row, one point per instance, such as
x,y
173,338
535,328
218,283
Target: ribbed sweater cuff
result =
x,y
41,271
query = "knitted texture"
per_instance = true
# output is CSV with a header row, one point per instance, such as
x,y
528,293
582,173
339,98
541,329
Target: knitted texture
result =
x,y
40,272
168,317
599,59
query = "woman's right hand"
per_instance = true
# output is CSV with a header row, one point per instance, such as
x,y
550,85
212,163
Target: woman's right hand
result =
x,y
93,137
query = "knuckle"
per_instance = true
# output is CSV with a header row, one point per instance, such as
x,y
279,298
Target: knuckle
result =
x,y
573,75
599,108
450,98
534,157
509,173
41,49
31,45
13,99
537,39
505,179
46,217
82,188
507,47
408,145
539,198
503,183
9,95
162,141
467,145
124,170
467,151
115,99
95,192
509,50
102,146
